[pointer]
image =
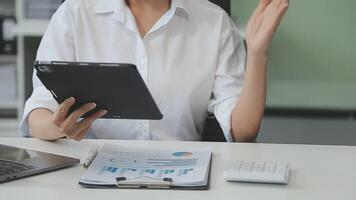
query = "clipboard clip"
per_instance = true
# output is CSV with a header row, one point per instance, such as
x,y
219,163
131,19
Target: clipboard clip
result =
x,y
144,183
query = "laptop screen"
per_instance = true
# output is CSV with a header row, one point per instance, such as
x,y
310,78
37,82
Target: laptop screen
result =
x,y
16,154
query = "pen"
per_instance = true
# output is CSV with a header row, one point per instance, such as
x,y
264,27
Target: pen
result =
x,y
91,156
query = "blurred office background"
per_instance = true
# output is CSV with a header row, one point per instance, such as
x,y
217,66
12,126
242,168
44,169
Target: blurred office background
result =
x,y
312,68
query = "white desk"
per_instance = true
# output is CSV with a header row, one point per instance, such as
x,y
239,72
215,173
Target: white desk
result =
x,y
318,172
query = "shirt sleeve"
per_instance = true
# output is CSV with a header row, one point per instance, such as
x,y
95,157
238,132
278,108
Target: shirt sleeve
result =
x,y
57,45
229,75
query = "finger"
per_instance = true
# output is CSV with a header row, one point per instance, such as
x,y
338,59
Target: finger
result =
x,y
262,6
275,11
70,134
74,117
82,134
60,115
85,123
283,6
281,10
280,4
274,20
272,7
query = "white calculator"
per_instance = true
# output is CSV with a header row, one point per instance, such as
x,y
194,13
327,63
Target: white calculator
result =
x,y
258,172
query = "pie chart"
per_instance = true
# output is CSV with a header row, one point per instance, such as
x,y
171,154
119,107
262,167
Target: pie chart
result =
x,y
182,154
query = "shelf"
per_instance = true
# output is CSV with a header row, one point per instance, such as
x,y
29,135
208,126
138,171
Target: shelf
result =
x,y
8,105
8,59
9,127
311,95
34,28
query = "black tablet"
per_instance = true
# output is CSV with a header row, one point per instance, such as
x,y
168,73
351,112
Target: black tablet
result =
x,y
118,88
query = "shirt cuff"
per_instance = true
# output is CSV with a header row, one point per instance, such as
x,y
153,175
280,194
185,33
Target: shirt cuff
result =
x,y
36,101
223,113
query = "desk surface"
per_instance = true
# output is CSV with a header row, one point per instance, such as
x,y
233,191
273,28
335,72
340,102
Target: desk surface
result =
x,y
318,172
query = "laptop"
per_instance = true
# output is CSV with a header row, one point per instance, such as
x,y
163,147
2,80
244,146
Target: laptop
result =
x,y
16,163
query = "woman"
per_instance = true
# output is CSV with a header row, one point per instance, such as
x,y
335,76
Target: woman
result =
x,y
188,52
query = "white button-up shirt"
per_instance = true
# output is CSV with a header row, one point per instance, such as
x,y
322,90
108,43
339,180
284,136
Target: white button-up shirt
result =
x,y
192,60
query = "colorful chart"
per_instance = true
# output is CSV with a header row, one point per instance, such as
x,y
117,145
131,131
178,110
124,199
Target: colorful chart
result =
x,y
147,172
181,154
166,172
108,169
184,172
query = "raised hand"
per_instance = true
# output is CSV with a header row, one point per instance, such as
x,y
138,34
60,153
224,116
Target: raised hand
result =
x,y
263,25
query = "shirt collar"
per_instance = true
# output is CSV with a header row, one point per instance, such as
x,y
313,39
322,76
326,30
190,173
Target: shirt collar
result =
x,y
181,4
118,7
104,6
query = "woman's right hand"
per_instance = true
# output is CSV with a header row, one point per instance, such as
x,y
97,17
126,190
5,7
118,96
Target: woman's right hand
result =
x,y
69,125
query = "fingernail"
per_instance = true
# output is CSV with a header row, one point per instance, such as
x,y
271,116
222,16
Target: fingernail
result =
x,y
92,105
103,112
71,100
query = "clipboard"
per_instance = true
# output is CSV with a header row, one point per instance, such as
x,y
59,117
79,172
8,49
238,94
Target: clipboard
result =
x,y
147,183
143,183
188,176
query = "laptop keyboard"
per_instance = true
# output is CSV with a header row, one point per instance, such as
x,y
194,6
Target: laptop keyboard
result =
x,y
10,167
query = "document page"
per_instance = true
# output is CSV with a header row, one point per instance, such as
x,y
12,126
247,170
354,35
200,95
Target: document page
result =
x,y
185,168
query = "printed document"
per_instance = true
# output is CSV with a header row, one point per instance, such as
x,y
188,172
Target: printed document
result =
x,y
184,168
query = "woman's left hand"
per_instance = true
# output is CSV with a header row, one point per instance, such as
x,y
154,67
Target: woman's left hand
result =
x,y
263,25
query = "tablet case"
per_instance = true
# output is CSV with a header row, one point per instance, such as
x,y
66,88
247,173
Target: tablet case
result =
x,y
118,88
